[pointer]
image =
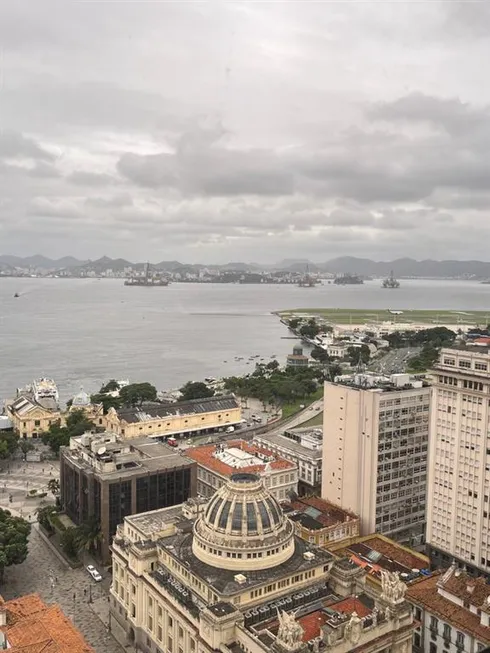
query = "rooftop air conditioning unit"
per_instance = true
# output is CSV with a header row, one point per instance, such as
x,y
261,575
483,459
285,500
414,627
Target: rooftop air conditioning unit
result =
x,y
308,555
240,579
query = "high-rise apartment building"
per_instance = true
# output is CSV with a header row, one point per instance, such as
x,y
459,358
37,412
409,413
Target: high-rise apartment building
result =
x,y
375,443
459,471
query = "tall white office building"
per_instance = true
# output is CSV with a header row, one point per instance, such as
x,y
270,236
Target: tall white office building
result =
x,y
375,442
459,461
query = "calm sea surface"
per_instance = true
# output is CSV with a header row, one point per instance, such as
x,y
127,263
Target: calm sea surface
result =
x,y
83,332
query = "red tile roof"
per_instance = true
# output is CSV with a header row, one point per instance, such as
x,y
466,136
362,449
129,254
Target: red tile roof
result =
x,y
350,605
34,627
425,593
331,514
204,456
396,552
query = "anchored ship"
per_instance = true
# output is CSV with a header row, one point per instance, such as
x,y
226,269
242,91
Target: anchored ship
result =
x,y
391,282
147,279
348,280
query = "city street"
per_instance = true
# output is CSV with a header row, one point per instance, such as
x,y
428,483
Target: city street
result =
x,y
72,589
394,361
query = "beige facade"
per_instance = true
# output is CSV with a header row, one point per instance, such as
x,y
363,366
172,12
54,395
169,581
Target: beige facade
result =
x,y
459,473
375,444
170,591
29,418
181,418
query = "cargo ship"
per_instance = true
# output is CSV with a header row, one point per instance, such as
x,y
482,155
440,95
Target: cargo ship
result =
x,y
348,280
147,279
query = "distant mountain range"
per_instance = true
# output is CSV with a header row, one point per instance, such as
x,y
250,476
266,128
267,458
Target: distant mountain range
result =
x,y
403,267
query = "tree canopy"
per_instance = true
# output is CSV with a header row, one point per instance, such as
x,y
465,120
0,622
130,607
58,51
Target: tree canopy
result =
x,y
196,390
136,393
14,535
358,355
320,355
276,386
9,442
437,337
110,386
58,436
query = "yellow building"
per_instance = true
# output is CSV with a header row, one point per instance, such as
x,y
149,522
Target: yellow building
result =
x,y
233,577
31,417
181,418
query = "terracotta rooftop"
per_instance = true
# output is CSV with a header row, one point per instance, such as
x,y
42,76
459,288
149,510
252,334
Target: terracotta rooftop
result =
x,y
380,552
396,552
425,594
34,627
205,457
319,510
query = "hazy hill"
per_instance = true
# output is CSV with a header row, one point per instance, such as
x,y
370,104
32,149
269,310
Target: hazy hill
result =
x,y
402,267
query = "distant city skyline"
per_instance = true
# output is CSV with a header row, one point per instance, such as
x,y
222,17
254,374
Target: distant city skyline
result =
x,y
216,131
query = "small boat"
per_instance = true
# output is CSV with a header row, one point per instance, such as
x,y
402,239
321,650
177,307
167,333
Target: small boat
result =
x,y
16,294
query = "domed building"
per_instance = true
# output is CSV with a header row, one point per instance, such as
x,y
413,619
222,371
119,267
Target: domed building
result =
x,y
243,522
82,401
230,575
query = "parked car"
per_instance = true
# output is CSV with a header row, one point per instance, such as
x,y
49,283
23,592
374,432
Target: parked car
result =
x,y
172,442
94,573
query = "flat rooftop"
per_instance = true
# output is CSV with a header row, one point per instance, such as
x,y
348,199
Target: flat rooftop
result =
x,y
223,581
124,458
379,383
290,444
224,459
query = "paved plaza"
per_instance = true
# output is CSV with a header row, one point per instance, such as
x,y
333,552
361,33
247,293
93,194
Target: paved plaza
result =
x,y
18,477
83,600
43,573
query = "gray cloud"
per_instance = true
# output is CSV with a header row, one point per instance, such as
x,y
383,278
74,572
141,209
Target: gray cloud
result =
x,y
16,145
295,130
91,179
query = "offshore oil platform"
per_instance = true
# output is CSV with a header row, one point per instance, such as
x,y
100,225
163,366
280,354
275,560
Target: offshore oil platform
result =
x,y
147,279
391,282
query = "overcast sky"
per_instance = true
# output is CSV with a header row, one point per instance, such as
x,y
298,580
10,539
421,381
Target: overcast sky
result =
x,y
218,131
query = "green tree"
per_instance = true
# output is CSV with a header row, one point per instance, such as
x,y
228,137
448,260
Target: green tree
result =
x,y
293,323
110,386
69,542
9,442
320,355
359,354
25,446
89,536
54,486
44,517
14,535
196,390
333,370
137,393
107,401
273,365
77,423
310,329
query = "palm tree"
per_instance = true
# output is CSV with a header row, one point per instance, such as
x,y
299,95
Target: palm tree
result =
x,y
54,486
89,536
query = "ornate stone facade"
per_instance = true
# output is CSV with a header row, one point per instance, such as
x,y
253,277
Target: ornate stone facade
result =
x,y
167,595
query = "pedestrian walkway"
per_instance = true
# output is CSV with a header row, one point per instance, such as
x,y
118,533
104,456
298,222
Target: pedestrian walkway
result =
x,y
73,589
